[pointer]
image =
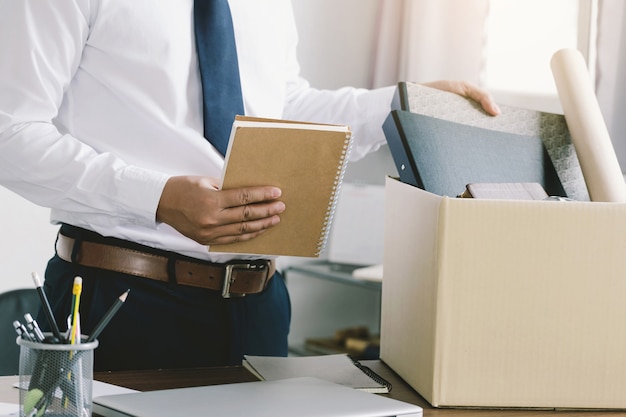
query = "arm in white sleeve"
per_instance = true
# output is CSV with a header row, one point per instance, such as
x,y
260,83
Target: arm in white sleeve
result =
x,y
41,43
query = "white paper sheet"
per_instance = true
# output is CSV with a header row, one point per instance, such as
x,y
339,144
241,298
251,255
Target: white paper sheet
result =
x,y
9,409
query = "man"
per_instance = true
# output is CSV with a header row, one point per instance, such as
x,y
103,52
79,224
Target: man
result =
x,y
101,119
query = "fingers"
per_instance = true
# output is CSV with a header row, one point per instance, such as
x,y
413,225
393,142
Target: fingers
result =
x,y
245,213
481,96
241,231
239,197
468,90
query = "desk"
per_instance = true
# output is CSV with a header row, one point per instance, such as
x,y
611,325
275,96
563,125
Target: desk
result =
x,y
180,378
162,379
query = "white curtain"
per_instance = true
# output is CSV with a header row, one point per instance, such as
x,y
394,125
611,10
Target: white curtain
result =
x,y
426,40
611,71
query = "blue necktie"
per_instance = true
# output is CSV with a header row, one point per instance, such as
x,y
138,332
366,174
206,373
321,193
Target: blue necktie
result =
x,y
219,70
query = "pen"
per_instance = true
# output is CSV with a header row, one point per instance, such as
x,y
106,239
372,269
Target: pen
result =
x,y
32,325
46,307
21,331
108,316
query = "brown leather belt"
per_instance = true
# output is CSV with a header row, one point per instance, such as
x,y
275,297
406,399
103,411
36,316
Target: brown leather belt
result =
x,y
232,279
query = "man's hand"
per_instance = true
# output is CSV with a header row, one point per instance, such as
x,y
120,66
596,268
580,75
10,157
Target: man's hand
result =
x,y
193,206
469,90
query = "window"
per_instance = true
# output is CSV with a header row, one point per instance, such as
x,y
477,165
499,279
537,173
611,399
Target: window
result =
x,y
521,37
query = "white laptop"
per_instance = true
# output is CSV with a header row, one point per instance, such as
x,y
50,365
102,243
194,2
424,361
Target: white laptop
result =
x,y
301,397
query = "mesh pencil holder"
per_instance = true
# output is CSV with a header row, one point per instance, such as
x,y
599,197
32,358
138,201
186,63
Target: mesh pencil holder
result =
x,y
56,379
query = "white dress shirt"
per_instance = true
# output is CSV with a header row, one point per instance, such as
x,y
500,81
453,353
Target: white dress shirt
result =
x,y
100,103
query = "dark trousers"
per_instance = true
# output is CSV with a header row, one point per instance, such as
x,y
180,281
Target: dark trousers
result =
x,y
165,325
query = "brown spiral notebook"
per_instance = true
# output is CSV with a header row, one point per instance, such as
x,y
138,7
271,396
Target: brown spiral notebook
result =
x,y
307,162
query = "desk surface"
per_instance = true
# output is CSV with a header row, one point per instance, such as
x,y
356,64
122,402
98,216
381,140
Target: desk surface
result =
x,y
163,379
180,378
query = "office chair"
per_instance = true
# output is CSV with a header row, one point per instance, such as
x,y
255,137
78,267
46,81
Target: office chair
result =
x,y
13,305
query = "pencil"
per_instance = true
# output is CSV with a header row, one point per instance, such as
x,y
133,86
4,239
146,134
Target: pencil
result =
x,y
108,316
46,307
77,289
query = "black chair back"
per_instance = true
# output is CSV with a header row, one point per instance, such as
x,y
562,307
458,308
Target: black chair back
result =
x,y
13,305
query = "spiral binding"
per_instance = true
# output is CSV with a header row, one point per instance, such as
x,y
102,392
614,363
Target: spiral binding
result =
x,y
373,375
332,204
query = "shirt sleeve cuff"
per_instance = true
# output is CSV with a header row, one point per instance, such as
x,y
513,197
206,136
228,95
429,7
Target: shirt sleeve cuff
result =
x,y
139,193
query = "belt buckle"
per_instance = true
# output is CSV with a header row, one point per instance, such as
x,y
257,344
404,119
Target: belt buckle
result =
x,y
228,275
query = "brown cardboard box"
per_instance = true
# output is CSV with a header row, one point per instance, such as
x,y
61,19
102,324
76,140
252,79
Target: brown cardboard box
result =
x,y
493,303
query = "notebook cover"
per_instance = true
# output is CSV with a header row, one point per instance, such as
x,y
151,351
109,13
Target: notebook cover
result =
x,y
338,368
442,157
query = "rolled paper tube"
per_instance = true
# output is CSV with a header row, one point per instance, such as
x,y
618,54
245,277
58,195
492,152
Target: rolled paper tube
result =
x,y
590,136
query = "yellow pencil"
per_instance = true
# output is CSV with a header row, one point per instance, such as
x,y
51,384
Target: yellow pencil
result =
x,y
76,292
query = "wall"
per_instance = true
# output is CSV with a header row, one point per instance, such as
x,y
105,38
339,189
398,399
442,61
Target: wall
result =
x,y
611,68
335,42
27,240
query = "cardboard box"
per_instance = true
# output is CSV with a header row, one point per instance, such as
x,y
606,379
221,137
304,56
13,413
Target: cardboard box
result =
x,y
495,303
